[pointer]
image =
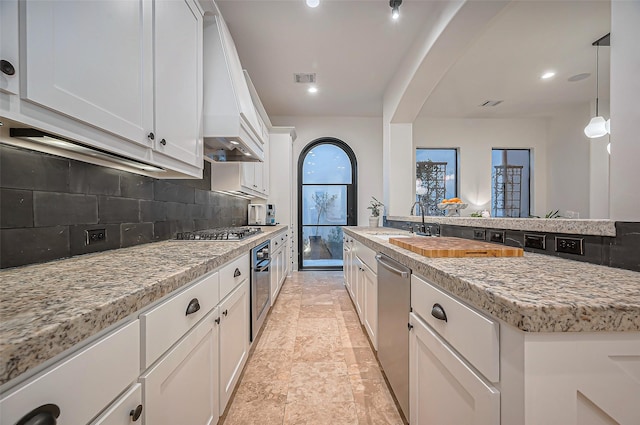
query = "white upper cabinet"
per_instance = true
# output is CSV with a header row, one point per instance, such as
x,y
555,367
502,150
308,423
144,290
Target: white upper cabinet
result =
x,y
178,85
92,61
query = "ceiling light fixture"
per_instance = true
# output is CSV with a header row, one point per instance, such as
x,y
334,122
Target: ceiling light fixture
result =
x,y
596,127
313,3
395,8
547,75
312,89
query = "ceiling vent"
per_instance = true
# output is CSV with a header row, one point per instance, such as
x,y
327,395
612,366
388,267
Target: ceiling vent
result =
x,y
491,103
304,78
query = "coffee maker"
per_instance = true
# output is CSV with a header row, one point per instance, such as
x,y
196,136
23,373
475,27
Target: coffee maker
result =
x,y
271,215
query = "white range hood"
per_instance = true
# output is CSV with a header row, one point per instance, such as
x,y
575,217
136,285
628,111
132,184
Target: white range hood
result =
x,y
232,130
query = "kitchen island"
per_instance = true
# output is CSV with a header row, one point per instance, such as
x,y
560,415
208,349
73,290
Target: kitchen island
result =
x,y
517,340
48,308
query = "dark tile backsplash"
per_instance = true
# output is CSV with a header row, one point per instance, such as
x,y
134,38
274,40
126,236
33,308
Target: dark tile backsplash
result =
x,y
621,251
47,204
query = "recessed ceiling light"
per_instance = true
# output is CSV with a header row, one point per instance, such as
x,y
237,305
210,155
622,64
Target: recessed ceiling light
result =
x,y
233,142
313,3
547,75
312,89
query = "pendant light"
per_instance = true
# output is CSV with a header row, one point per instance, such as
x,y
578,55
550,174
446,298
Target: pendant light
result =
x,y
596,127
395,8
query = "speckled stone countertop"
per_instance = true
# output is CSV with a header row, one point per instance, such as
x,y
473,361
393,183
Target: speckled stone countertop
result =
x,y
551,225
534,293
48,308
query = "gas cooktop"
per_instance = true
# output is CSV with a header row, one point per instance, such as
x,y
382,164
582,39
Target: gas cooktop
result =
x,y
220,234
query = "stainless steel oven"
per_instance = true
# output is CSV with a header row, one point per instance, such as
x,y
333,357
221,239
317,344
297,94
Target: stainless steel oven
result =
x,y
260,286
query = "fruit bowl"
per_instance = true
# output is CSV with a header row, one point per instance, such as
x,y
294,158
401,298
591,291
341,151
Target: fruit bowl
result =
x,y
452,209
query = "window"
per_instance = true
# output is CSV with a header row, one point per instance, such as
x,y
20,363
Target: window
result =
x,y
436,178
510,187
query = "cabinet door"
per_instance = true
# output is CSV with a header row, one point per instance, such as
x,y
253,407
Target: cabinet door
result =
x,y
370,287
234,340
9,45
358,285
182,387
443,389
91,60
122,411
178,84
275,276
248,175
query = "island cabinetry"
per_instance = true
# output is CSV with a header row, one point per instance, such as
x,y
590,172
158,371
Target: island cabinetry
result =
x,y
453,360
365,289
279,263
79,387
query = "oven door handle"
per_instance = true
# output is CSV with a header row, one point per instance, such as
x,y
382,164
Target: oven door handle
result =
x,y
260,267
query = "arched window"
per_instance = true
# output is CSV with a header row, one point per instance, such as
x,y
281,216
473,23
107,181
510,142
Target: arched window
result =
x,y
327,181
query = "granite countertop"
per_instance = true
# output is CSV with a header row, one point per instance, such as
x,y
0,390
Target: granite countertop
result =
x,y
551,225
534,293
47,308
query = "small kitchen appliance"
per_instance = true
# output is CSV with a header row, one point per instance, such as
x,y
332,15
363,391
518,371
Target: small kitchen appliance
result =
x,y
271,215
257,214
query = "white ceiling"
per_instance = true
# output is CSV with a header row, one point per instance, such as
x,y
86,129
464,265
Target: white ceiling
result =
x,y
355,49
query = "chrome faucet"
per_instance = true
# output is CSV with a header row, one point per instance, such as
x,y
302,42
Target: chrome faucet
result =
x,y
422,228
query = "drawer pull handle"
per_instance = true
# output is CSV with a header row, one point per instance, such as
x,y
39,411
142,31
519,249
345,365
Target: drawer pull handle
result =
x,y
43,415
135,414
194,305
410,326
224,313
217,321
151,136
7,68
163,142
438,312
237,272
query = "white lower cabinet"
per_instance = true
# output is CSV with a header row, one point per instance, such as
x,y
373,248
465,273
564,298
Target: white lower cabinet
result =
x,y
82,385
370,289
181,388
443,388
125,410
233,340
357,286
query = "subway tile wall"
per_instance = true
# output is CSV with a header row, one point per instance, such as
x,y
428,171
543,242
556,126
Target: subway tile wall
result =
x,y
47,203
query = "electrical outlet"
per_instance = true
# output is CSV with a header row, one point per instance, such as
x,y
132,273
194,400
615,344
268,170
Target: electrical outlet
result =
x,y
479,234
534,241
570,245
96,236
497,237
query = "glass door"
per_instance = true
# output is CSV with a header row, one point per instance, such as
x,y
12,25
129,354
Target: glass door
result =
x,y
327,195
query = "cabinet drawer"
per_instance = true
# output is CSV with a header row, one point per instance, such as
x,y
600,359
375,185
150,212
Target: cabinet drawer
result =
x,y
165,324
471,333
367,256
120,412
232,274
82,385
278,242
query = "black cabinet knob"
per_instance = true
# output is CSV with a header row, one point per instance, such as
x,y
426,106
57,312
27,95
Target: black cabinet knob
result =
x,y
135,414
7,68
224,313
194,305
237,272
163,142
438,312
151,136
410,326
217,321
43,415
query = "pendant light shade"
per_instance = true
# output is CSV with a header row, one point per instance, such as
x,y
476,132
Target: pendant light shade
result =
x,y
595,128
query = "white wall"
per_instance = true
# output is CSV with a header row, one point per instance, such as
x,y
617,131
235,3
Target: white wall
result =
x,y
569,163
364,137
625,111
474,138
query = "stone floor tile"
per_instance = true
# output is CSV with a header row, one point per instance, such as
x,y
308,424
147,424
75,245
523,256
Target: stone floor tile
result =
x,y
318,348
362,362
301,413
374,403
261,412
316,311
319,383
270,364
322,326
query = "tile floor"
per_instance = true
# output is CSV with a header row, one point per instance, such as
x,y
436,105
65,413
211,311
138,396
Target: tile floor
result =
x,y
313,363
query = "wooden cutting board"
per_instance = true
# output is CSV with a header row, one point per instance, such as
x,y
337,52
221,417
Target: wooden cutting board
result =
x,y
455,247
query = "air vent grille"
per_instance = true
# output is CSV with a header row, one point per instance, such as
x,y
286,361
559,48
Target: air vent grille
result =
x,y
491,103
304,78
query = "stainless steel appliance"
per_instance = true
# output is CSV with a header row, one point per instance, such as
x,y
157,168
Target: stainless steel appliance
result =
x,y
394,304
260,286
220,234
271,215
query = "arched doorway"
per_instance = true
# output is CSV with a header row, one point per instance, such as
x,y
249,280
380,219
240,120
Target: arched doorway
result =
x,y
327,194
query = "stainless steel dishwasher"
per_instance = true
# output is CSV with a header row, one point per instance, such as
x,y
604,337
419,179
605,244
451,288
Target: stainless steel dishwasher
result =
x,y
394,303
